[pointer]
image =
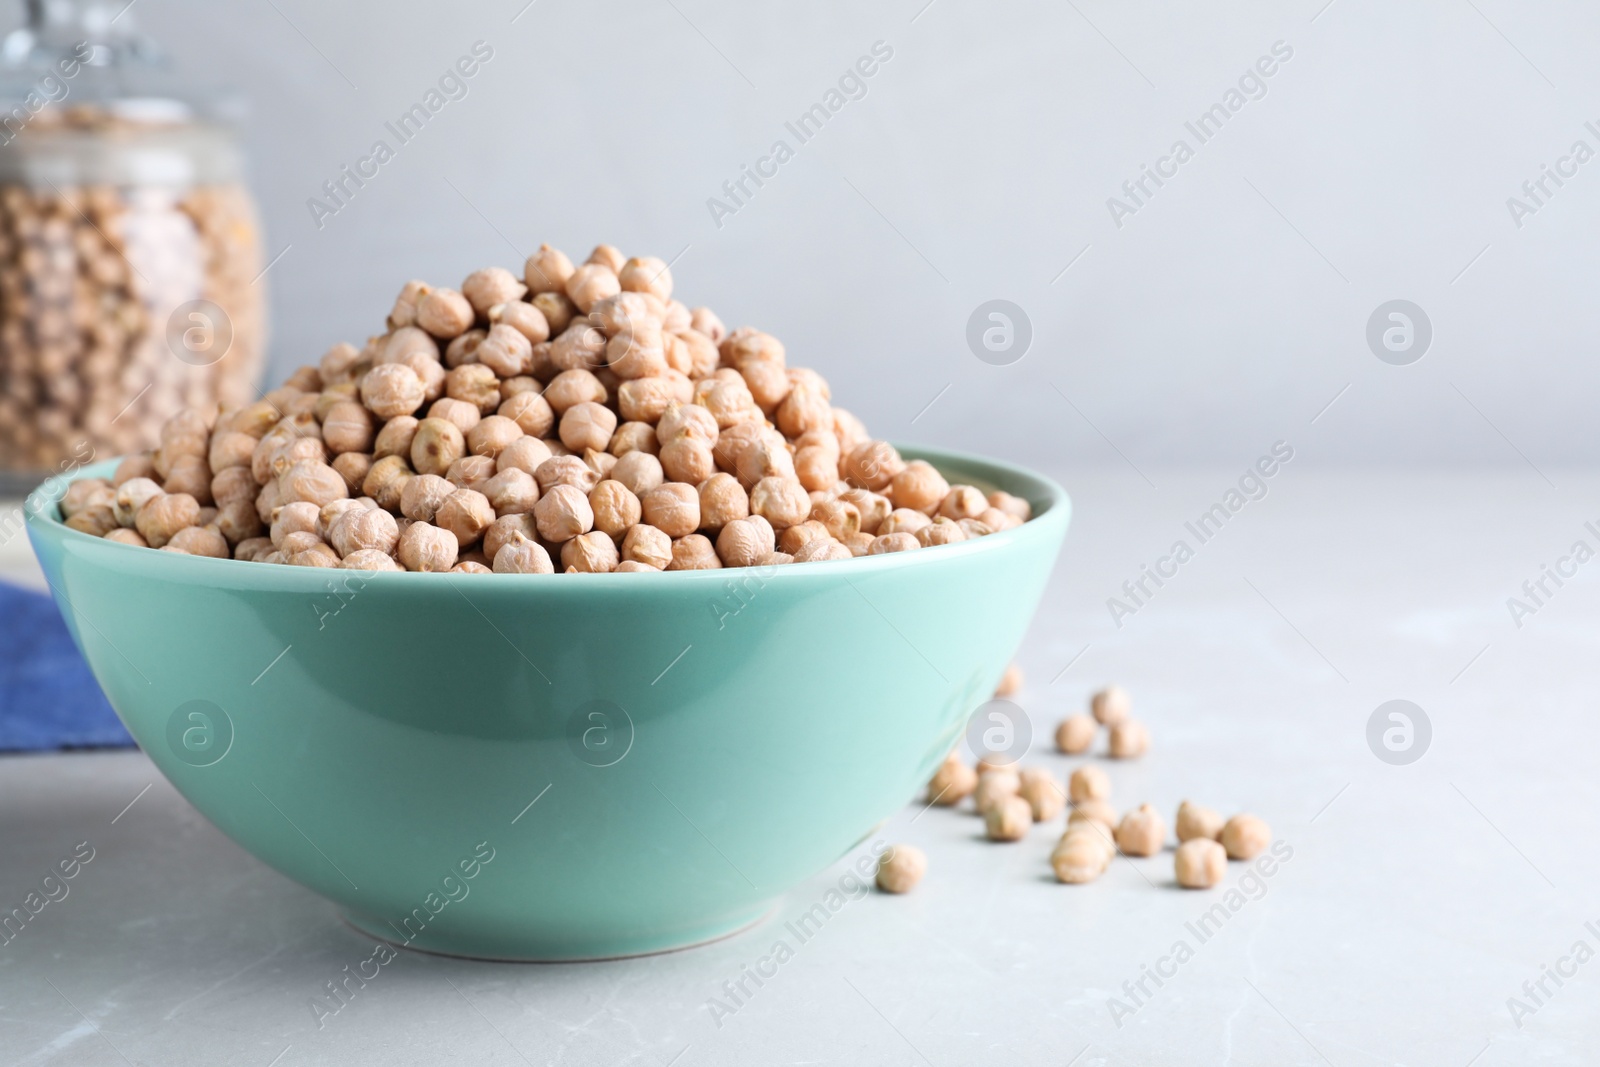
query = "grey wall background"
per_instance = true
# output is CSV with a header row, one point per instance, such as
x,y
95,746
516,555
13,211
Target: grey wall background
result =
x,y
1223,316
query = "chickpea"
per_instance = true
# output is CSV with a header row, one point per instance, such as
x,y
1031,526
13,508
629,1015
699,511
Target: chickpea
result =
x,y
1008,819
505,351
770,386
1080,857
918,487
590,553
1129,739
444,313
392,389
228,484
820,549
1197,821
1110,705
370,559
901,868
164,515
321,556
96,520
230,448
525,454
781,501
492,435
1244,836
940,531
563,513
520,555
673,508
425,547
590,284
565,470
573,387
994,784
558,311
132,495
693,553
607,256
634,437
766,457
615,507
511,492
1199,863
722,500
363,530
530,411
464,349
646,274
466,514
745,344
972,528
587,425
644,399
795,537
1089,783
648,546
895,542
395,437
741,543
1043,793
729,402
470,472
404,312
953,782
526,319
200,541
238,521
639,471
502,529
126,537
962,502
406,342
1075,734
872,465
547,270
841,518
901,520
347,427
311,480
251,548
637,354
998,520
435,446
705,322
1094,811
1141,832
385,481
874,508
300,517
490,286
475,384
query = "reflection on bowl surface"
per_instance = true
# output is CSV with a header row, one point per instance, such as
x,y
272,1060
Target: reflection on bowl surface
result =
x,y
553,766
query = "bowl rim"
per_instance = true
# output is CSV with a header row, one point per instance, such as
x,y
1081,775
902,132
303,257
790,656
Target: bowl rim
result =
x,y
1051,503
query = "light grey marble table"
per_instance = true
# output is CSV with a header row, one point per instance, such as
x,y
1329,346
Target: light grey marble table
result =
x,y
1417,901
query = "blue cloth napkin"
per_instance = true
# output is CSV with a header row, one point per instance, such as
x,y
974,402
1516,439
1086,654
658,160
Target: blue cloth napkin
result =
x,y
48,698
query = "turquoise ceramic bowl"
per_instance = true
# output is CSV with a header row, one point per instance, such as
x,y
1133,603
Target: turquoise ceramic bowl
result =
x,y
553,767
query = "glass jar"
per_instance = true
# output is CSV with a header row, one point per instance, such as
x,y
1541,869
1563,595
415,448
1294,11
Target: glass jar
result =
x,y
130,254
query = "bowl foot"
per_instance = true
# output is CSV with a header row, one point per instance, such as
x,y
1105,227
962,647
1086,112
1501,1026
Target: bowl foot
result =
x,y
521,948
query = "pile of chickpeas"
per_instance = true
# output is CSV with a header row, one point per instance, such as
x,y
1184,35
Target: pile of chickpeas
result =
x,y
1012,800
576,419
